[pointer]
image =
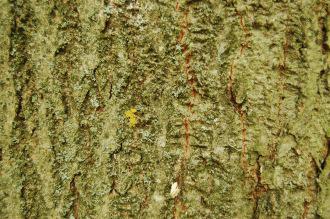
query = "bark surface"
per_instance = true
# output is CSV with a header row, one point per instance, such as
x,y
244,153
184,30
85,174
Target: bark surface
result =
x,y
164,109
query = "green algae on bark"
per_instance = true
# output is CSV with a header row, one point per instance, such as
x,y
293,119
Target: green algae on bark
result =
x,y
227,109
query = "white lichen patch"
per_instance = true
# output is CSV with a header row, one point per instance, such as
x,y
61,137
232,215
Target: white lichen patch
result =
x,y
158,198
95,102
174,190
107,10
218,150
161,141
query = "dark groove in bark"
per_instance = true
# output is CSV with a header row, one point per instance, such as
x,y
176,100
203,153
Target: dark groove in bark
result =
x,y
259,189
107,25
313,189
74,209
238,107
22,73
324,161
65,59
324,31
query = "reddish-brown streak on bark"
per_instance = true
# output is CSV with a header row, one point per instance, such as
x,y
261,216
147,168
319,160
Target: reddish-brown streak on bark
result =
x,y
282,68
285,51
190,105
312,186
238,106
187,137
100,109
259,189
242,115
178,205
184,48
177,6
181,35
306,208
244,146
244,44
184,27
242,23
74,190
190,77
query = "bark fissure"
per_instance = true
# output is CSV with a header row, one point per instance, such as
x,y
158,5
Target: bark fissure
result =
x,y
326,156
23,76
324,31
74,209
259,189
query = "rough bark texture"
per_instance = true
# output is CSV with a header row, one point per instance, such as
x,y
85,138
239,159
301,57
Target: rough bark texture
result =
x,y
106,104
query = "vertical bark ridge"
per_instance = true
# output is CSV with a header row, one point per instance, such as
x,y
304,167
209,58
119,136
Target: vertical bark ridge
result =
x,y
25,120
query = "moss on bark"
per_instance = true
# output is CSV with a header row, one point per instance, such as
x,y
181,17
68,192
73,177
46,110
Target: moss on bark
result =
x,y
230,98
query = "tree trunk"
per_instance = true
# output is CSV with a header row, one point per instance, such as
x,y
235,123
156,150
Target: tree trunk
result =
x,y
164,109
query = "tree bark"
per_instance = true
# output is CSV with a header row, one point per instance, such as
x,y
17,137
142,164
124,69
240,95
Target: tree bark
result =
x,y
164,109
